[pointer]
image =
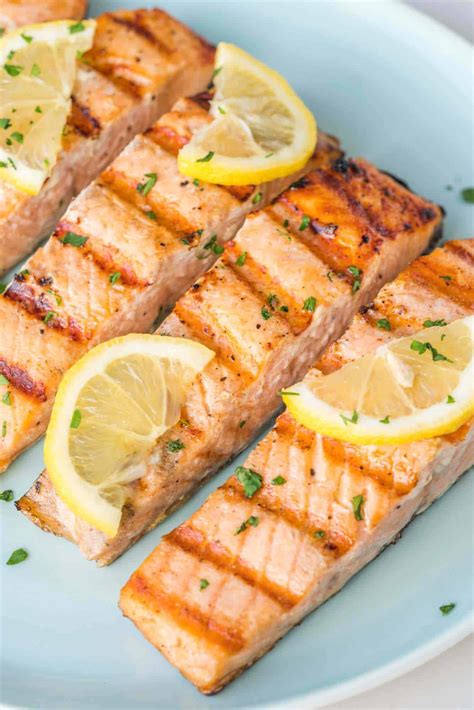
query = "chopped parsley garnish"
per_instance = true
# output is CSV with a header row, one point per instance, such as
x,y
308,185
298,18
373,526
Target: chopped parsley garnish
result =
x,y
357,503
242,423
11,54
281,392
175,445
4,430
203,583
76,419
269,155
5,123
49,316
196,182
450,399
75,240
38,109
13,69
319,534
27,38
150,214
3,380
17,556
2,31
285,309
145,187
304,224
446,278
310,304
77,27
421,348
265,313
447,608
57,297
221,110
241,259
386,420
278,481
468,194
356,273
250,480
16,136
272,300
116,276
206,158
431,323
215,73
384,324
35,70
350,420
7,398
286,223
253,521
212,245
7,496
257,198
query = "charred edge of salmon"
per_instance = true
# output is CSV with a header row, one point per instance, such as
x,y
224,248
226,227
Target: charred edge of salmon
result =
x,y
21,380
83,121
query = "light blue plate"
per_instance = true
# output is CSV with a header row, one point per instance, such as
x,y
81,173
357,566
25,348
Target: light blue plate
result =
x,y
396,88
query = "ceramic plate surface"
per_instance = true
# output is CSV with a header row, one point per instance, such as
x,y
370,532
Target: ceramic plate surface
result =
x,y
395,87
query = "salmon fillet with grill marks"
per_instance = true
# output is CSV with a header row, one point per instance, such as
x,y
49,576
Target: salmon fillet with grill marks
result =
x,y
141,245
140,63
255,309
15,13
305,542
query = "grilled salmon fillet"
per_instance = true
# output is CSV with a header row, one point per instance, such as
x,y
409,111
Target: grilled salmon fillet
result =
x,y
265,573
15,13
285,288
140,63
142,233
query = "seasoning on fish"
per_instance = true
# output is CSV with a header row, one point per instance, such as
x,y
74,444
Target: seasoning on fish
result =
x,y
340,506
141,62
267,317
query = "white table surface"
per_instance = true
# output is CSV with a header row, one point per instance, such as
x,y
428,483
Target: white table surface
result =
x,y
446,682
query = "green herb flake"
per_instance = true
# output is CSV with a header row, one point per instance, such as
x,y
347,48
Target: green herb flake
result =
x,y
3,288
5,123
278,481
257,198
75,240
206,158
215,73
221,110
269,155
285,309
253,521
241,259
468,194
432,323
27,38
13,69
49,316
11,54
203,583
350,420
304,224
76,27
76,419
357,274
265,313
250,480
421,348
7,496
286,223
145,187
7,398
282,392
38,109
4,430
310,304
319,534
17,556
2,31
196,182
175,445
386,420
18,137
357,503
57,297
35,70
242,423
384,324
447,608
116,276
446,278
151,215
214,246
450,399
3,380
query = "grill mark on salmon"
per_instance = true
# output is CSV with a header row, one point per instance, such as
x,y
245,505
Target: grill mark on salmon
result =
x,y
259,347
22,381
396,482
123,84
143,248
15,14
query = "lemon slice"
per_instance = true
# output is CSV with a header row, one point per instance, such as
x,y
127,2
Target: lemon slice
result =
x,y
414,388
37,73
110,409
261,129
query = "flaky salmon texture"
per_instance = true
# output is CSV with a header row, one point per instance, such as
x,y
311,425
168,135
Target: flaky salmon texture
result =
x,y
141,234
15,13
285,288
141,62
269,560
